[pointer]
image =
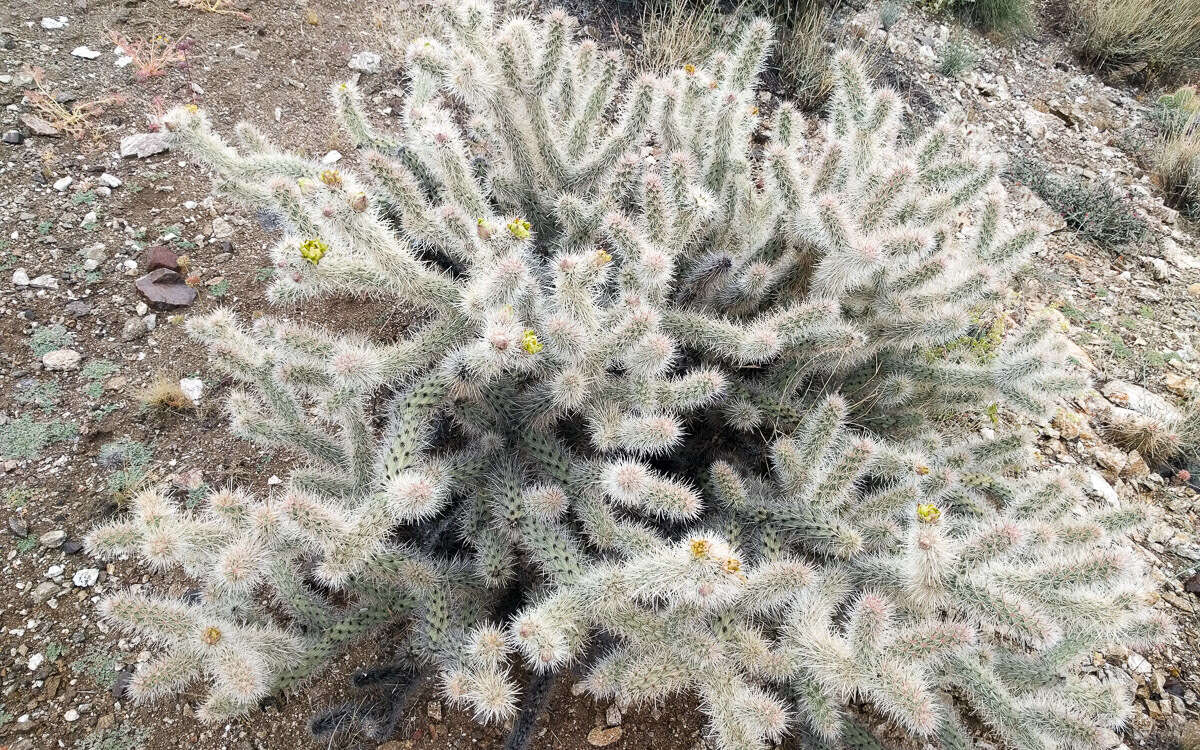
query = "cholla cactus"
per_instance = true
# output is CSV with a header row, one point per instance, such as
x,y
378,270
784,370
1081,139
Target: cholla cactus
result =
x,y
663,385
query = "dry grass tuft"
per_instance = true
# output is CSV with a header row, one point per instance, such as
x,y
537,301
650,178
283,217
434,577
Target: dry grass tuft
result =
x,y
1160,439
151,55
1177,166
679,32
76,121
163,392
1162,35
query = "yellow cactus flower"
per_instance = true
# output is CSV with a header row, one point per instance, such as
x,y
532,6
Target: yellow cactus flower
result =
x,y
332,178
732,565
530,343
928,513
689,69
603,257
211,635
313,250
921,469
519,228
700,548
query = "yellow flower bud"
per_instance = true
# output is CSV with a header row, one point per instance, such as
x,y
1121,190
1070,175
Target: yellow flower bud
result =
x,y
928,513
921,469
332,178
519,228
700,548
530,343
313,250
211,636
603,257
689,69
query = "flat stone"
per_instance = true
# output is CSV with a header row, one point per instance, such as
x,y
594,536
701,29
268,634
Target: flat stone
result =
x,y
165,289
332,157
1138,399
142,145
50,24
53,539
20,277
45,281
61,359
108,180
133,330
1099,486
221,229
44,591
160,256
85,52
14,137
62,184
78,308
601,737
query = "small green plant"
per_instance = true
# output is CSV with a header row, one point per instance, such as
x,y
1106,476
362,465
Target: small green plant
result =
x,y
53,650
98,369
1092,209
26,544
220,289
44,394
94,390
49,338
86,196
18,497
1176,113
25,438
45,227
890,13
264,274
99,663
120,737
957,58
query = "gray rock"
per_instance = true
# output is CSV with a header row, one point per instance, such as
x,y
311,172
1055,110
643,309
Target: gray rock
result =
x,y
365,62
165,289
18,527
45,281
61,359
134,329
109,181
50,24
78,308
53,539
20,277
14,137
44,591
1138,399
38,126
142,145
62,184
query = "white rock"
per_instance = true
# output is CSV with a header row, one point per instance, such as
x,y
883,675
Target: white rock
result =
x,y
221,229
20,277
122,61
331,157
61,359
89,218
109,180
274,480
150,320
85,53
189,205
1099,486
365,62
86,577
45,281
193,388
1138,664
35,661
71,715
54,23
142,145
62,184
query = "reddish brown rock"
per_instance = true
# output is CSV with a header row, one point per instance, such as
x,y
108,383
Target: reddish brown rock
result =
x,y
160,256
165,289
